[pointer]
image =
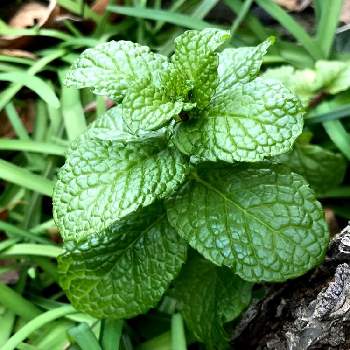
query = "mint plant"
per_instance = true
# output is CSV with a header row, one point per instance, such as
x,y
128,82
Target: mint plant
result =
x,y
187,158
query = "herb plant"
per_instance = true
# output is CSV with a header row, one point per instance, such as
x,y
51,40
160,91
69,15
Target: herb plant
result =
x,y
189,156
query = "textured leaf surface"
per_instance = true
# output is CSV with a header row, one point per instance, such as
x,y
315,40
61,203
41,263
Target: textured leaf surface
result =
x,y
110,68
147,107
240,65
263,222
209,296
196,60
111,126
246,123
301,82
124,271
321,168
102,181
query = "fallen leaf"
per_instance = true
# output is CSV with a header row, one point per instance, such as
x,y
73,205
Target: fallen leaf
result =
x,y
29,15
294,5
17,53
345,12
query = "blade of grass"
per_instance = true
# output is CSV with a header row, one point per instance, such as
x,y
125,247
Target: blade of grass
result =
x,y
338,113
75,7
251,21
84,337
292,27
7,321
327,24
7,95
27,249
338,135
33,83
111,332
72,111
7,30
178,340
161,342
23,177
16,303
14,59
16,122
36,324
32,146
20,233
160,15
241,15
338,192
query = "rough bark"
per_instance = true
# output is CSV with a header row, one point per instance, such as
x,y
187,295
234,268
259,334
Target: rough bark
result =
x,y
311,312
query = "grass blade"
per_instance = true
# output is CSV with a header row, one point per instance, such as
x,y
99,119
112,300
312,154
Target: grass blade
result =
x,y
178,340
16,303
32,146
292,26
327,24
33,83
11,91
84,337
50,251
111,332
16,122
36,324
339,136
161,15
241,15
21,233
22,177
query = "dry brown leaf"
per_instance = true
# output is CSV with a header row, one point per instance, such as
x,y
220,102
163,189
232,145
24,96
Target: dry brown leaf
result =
x,y
294,5
345,12
17,53
32,14
100,6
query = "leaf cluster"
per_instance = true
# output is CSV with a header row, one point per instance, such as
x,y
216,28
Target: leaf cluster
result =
x,y
189,157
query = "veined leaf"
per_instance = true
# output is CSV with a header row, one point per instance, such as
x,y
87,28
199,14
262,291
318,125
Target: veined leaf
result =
x,y
246,123
148,107
263,222
240,65
196,61
208,297
103,181
123,271
111,127
322,169
109,68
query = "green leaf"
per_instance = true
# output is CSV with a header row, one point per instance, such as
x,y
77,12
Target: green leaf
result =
x,y
196,60
240,65
208,297
322,169
125,270
103,181
111,126
147,107
301,82
332,76
246,123
110,68
262,221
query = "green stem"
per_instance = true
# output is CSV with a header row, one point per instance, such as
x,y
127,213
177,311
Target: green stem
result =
x,y
32,146
178,339
49,251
